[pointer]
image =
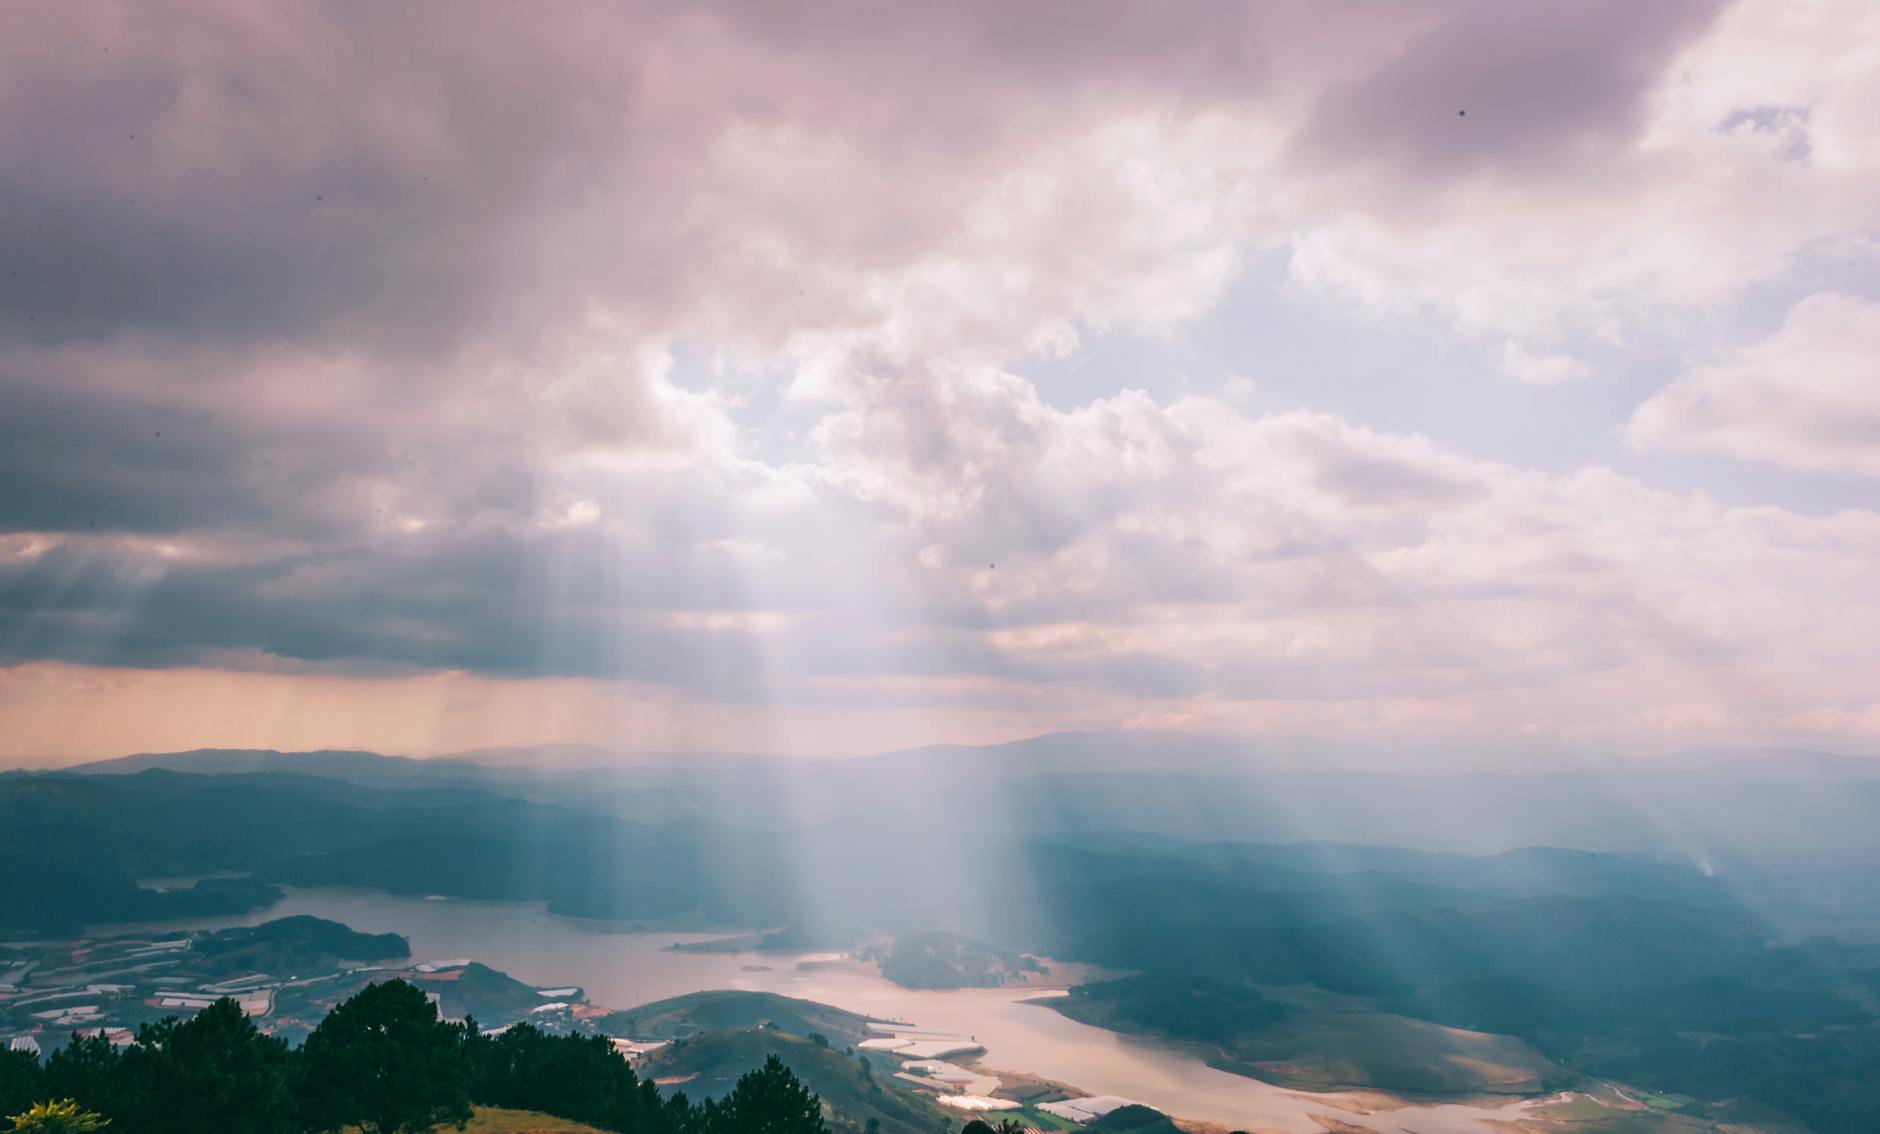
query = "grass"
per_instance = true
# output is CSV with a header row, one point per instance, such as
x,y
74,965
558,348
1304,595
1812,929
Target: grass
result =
x,y
1635,1111
495,1120
1581,1108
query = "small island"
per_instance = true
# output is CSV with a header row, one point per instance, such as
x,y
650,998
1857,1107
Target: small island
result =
x,y
937,959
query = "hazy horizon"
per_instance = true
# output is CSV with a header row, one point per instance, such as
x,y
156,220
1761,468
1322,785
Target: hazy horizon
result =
x,y
1147,749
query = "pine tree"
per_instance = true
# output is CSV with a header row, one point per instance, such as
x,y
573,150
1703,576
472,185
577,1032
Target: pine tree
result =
x,y
769,1100
212,1072
384,1061
21,1081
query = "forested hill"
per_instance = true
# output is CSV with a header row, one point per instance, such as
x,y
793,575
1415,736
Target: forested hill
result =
x,y
382,1061
79,844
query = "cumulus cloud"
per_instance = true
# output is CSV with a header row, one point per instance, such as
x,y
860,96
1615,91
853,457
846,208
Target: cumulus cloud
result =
x,y
1725,146
1807,396
686,348
1296,557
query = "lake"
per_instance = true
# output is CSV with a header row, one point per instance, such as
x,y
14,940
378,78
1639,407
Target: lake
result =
x,y
620,968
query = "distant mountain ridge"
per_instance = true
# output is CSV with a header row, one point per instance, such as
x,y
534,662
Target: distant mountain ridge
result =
x,y
1071,752
1697,807
362,766
336,763
1780,765
1058,753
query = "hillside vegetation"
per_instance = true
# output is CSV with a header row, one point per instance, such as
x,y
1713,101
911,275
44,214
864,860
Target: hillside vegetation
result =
x,y
1737,966
289,945
938,959
853,1092
1314,1040
1133,1120
731,1009
385,1062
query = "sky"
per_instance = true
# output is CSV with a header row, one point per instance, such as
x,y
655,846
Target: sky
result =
x,y
831,378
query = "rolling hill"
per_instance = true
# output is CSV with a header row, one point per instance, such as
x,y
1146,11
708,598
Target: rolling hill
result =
x,y
709,1064
731,1009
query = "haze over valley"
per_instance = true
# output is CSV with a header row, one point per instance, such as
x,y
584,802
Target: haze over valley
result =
x,y
1222,940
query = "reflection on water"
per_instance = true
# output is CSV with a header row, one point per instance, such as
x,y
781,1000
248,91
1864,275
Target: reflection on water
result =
x,y
621,969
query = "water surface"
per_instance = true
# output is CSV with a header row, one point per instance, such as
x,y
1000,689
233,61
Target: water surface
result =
x,y
621,968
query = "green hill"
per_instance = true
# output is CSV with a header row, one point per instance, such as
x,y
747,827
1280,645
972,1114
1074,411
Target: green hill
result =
x,y
1133,1120
1315,1040
732,1009
708,1065
938,959
477,990
290,946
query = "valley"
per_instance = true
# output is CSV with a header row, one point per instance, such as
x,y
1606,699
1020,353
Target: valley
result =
x,y
1250,985
1020,1034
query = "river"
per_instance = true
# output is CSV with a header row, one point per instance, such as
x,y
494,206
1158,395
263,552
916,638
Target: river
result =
x,y
619,968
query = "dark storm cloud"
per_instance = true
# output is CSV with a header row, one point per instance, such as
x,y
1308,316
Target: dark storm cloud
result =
x,y
474,602
74,459
71,461
83,451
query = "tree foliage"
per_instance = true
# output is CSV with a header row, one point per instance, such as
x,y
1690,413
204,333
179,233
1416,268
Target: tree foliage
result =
x,y
21,1081
580,1078
768,1100
384,1061
214,1070
85,1069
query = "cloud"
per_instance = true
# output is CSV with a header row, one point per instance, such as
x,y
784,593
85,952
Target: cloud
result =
x,y
1120,555
690,348
1524,89
1296,567
1621,207
1807,396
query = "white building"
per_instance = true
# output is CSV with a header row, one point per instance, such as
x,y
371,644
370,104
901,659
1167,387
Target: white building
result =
x,y
1087,1110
